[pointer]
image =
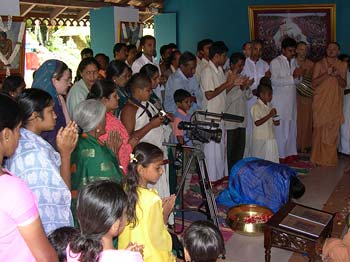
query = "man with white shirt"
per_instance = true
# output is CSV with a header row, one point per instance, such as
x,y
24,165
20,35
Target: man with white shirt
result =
x,y
247,49
203,47
214,84
254,68
236,104
283,71
184,78
148,45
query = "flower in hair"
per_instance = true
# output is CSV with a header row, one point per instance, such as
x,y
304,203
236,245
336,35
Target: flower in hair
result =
x,y
133,159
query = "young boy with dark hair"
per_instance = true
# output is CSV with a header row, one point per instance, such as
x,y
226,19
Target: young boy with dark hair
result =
x,y
182,99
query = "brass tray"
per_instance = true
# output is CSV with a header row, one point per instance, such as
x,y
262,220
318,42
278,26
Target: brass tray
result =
x,y
248,219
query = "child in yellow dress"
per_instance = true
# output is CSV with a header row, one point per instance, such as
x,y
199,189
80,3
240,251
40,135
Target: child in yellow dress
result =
x,y
147,213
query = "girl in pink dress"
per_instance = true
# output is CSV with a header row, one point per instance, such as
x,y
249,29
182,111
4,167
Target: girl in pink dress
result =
x,y
22,237
101,213
106,92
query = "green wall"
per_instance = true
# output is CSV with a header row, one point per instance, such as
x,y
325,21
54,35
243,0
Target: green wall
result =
x,y
102,31
227,20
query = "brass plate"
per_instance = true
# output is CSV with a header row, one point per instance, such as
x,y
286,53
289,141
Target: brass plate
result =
x,y
238,216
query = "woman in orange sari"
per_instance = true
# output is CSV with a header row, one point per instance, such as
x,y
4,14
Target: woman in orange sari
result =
x,y
329,82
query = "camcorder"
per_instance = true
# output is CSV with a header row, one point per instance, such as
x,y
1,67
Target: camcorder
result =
x,y
166,119
206,131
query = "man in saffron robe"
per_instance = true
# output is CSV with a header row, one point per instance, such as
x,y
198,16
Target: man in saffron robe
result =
x,y
304,103
329,81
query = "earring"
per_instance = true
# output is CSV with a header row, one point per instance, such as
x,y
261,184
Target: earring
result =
x,y
97,130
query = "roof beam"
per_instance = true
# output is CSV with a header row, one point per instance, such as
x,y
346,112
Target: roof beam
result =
x,y
123,2
56,12
25,9
147,3
68,4
82,14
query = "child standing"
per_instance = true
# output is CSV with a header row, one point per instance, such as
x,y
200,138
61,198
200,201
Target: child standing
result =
x,y
203,242
264,117
101,213
182,99
147,213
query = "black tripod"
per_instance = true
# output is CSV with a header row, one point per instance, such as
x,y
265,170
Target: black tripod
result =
x,y
208,198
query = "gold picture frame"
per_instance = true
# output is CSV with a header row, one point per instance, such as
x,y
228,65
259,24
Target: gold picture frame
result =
x,y
314,24
9,42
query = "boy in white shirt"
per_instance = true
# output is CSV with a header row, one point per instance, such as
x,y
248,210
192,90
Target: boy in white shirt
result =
x,y
264,117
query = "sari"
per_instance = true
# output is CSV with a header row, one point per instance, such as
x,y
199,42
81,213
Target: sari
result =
x,y
257,181
43,81
91,161
123,96
38,165
114,124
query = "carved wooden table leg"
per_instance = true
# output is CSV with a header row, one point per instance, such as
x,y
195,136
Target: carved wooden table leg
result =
x,y
267,243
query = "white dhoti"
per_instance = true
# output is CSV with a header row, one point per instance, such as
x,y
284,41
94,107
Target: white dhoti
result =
x,y
249,129
265,149
286,138
344,138
216,158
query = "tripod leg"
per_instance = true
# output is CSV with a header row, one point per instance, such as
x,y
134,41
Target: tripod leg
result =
x,y
180,192
208,191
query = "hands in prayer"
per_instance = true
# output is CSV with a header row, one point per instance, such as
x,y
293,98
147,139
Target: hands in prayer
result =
x,y
273,112
135,247
168,205
67,138
114,141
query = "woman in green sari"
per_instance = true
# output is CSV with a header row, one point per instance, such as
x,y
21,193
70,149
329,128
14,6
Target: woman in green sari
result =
x,y
93,160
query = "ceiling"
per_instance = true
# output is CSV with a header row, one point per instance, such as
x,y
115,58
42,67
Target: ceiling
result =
x,y
77,11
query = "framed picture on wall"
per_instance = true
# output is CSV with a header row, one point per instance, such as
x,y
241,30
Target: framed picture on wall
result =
x,y
12,43
130,32
313,24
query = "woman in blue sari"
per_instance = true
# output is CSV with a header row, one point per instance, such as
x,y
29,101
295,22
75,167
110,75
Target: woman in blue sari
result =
x,y
45,171
54,77
257,181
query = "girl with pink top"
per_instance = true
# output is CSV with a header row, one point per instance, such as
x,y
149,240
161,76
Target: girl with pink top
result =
x,y
22,237
101,213
106,92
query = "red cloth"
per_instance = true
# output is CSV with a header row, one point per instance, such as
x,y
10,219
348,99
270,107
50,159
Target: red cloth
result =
x,y
113,124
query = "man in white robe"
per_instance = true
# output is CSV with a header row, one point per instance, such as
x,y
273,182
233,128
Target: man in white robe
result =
x,y
255,68
203,47
214,84
283,71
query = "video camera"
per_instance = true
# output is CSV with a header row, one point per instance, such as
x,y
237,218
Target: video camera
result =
x,y
206,131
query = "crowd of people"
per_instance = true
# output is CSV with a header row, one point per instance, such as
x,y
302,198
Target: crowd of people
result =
x,y
85,163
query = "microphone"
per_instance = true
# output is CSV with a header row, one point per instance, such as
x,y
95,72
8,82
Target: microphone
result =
x,y
223,116
183,125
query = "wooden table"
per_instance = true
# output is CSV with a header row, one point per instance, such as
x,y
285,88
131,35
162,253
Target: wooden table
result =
x,y
281,237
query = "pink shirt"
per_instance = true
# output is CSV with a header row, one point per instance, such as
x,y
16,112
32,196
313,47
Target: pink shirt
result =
x,y
177,120
18,207
111,255
113,124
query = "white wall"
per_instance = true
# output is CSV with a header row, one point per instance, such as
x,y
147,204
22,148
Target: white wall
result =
x,y
128,14
9,7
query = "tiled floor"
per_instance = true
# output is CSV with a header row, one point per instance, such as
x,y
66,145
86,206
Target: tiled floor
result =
x,y
319,184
